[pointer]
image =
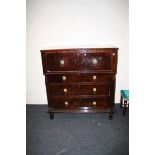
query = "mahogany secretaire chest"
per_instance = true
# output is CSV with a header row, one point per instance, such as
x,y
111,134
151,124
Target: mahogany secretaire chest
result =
x,y
80,80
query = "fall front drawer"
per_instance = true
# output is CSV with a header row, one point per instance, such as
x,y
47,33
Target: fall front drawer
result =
x,y
83,103
79,60
74,89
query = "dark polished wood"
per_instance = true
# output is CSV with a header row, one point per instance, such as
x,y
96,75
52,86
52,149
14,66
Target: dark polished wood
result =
x,y
102,89
79,77
80,80
81,103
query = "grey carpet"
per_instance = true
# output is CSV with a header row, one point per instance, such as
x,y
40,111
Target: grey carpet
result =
x,y
76,134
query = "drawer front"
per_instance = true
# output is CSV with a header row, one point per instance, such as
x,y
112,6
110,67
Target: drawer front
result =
x,y
80,60
95,61
82,77
60,62
95,89
83,103
102,89
64,90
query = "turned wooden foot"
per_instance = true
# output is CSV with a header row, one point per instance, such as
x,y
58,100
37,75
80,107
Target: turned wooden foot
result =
x,y
51,115
110,115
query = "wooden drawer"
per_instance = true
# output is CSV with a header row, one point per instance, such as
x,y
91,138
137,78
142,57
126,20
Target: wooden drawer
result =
x,y
79,60
79,77
95,61
60,62
93,89
82,103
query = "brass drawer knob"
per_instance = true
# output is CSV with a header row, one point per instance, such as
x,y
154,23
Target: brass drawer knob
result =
x,y
62,62
63,78
94,77
94,61
66,103
94,90
94,102
65,90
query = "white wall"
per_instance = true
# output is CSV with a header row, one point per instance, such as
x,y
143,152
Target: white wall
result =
x,y
57,22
